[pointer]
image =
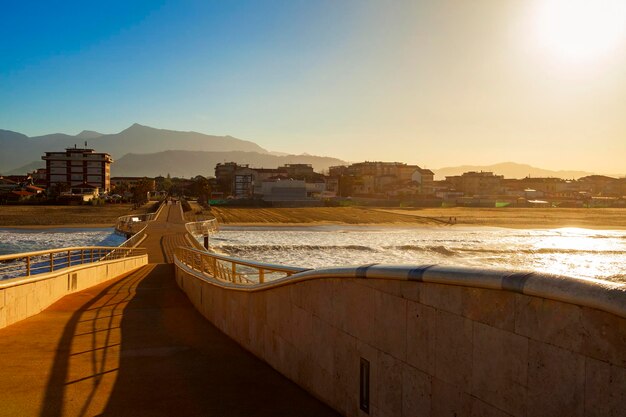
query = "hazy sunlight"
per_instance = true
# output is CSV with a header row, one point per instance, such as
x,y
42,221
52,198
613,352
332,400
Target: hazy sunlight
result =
x,y
576,31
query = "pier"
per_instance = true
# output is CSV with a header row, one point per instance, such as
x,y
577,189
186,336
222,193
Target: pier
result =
x,y
192,333
135,346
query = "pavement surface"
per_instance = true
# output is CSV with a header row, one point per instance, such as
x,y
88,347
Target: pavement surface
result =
x,y
135,346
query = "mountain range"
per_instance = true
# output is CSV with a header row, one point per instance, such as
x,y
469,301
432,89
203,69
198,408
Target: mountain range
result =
x,y
509,170
191,163
158,151
145,151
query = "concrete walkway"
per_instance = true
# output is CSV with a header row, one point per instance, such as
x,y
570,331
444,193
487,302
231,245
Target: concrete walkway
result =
x,y
135,346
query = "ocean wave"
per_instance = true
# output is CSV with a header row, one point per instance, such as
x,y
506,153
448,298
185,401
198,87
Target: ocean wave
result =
x,y
438,249
442,250
245,248
17,241
566,251
621,278
447,251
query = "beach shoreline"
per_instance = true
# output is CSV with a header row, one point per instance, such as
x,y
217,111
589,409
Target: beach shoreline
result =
x,y
511,218
54,217
409,225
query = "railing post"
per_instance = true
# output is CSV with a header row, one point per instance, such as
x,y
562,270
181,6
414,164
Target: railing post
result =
x,y
82,256
261,276
69,258
91,255
234,270
51,262
28,266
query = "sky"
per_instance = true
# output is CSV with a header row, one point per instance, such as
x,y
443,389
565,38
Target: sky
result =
x,y
432,82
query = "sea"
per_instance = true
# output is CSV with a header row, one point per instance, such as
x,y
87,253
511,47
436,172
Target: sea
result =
x,y
30,240
582,253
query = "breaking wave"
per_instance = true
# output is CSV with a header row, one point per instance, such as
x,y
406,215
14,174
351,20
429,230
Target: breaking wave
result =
x,y
579,252
242,248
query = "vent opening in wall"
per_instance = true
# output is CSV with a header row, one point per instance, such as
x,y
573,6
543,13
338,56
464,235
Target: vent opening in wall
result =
x,y
364,386
72,282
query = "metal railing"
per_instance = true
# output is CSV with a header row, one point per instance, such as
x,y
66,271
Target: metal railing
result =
x,y
32,263
235,270
202,228
133,223
133,227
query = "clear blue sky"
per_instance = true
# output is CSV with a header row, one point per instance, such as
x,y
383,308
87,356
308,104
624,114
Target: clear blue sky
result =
x,y
436,82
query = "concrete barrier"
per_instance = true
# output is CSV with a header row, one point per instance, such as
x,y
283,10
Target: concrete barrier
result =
x,y
407,347
24,297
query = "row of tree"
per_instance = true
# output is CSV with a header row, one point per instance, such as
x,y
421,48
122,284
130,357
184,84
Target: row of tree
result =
x,y
197,187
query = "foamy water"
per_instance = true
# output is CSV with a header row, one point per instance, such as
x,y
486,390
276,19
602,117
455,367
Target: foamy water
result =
x,y
576,252
29,240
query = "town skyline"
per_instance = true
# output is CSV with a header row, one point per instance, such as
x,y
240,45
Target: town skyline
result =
x,y
478,82
138,147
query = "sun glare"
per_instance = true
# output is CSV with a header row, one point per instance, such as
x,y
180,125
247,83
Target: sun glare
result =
x,y
577,31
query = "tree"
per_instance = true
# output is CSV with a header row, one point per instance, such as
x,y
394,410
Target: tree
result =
x,y
121,188
201,188
55,190
140,192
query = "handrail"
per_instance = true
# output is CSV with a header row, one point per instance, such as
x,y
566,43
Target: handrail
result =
x,y
202,228
595,293
127,224
50,260
26,264
225,268
47,251
134,239
137,236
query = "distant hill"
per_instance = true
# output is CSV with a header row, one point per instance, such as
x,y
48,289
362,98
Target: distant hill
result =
x,y
188,163
89,134
509,170
19,149
24,169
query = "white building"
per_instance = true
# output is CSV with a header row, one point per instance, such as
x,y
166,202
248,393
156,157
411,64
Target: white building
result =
x,y
283,190
79,166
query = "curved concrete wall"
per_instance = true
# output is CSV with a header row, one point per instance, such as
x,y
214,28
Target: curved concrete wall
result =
x,y
24,297
433,349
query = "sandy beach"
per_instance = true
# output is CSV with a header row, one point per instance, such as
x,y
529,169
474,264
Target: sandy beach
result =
x,y
65,216
312,216
507,217
525,218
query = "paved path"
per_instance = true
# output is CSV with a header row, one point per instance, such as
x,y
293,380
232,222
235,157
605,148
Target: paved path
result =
x,y
135,346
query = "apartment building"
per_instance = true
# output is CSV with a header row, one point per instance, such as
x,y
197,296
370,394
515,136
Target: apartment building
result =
x,y
377,178
76,167
477,183
241,181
